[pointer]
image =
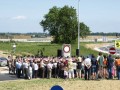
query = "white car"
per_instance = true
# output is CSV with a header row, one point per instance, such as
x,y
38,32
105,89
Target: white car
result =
x,y
3,61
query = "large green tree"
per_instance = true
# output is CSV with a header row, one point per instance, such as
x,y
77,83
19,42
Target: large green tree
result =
x,y
84,30
61,23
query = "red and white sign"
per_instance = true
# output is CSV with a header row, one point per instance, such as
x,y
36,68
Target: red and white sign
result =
x,y
112,50
66,50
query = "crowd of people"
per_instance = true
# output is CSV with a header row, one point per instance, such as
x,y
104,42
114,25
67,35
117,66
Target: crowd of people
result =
x,y
83,67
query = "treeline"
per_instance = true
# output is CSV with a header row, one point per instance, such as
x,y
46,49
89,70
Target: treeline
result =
x,y
47,34
33,35
105,34
24,33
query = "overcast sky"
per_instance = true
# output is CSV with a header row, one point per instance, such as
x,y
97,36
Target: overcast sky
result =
x,y
22,16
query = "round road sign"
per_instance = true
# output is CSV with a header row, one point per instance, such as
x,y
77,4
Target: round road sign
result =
x,y
66,48
112,50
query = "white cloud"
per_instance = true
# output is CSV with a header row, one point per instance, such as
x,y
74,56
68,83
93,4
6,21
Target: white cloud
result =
x,y
19,18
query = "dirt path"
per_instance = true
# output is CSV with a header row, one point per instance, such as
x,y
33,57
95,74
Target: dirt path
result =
x,y
92,46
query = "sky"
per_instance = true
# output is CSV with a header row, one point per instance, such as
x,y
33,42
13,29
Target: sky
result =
x,y
23,16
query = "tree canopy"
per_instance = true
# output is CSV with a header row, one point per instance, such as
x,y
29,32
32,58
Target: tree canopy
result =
x,y
61,23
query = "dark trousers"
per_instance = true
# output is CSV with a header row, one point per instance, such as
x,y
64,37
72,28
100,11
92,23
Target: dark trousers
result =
x,y
58,72
54,72
45,72
42,72
61,73
10,68
26,73
23,73
97,72
110,72
35,73
13,69
118,72
87,73
18,73
49,73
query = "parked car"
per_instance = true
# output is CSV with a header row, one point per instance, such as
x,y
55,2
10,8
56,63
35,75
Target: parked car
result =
x,y
3,61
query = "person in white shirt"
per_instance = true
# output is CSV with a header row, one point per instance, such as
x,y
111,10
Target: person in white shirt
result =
x,y
49,70
18,68
35,70
87,63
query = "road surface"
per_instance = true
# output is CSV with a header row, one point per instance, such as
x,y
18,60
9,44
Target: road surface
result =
x,y
4,74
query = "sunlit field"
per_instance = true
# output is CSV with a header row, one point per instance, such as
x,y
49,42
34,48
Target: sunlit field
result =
x,y
73,84
28,48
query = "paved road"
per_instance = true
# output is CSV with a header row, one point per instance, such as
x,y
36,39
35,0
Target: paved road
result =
x,y
106,49
5,76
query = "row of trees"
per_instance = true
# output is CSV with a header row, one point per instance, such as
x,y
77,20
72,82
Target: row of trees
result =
x,y
106,34
47,34
62,24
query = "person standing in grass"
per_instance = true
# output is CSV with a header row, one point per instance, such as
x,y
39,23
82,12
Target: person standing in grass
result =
x,y
35,69
94,66
100,59
49,70
26,68
79,67
110,63
83,67
62,65
105,72
117,63
87,63
30,71
74,68
54,68
18,68
70,69
42,67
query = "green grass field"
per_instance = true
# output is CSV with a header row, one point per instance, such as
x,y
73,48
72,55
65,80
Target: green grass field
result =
x,y
70,84
34,84
39,84
23,48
